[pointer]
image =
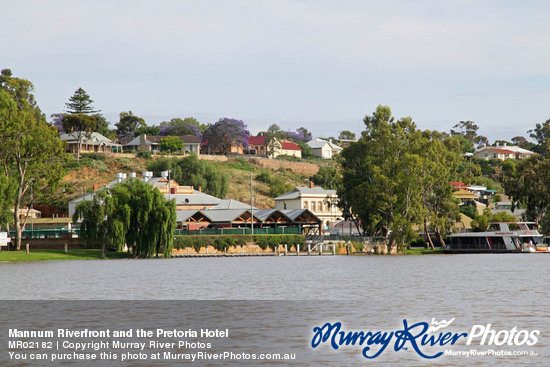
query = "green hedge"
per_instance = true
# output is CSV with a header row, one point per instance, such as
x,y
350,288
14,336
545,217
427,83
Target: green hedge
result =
x,y
221,243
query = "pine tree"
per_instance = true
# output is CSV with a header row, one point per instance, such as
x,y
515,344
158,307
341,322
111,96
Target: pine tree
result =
x,y
80,103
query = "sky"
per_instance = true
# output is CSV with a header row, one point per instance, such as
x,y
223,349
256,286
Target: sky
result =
x,y
322,65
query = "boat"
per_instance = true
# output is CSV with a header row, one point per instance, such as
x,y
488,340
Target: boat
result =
x,y
500,237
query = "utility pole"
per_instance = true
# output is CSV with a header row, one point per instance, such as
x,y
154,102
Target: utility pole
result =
x,y
251,205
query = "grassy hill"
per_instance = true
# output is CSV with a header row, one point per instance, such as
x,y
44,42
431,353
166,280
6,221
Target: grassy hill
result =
x,y
271,177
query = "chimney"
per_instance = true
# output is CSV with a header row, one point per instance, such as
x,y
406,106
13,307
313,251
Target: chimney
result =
x,y
311,184
96,186
200,188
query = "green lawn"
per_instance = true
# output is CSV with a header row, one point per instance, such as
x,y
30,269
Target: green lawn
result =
x,y
422,251
39,255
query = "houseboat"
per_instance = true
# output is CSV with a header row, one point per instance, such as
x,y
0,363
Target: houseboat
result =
x,y
499,237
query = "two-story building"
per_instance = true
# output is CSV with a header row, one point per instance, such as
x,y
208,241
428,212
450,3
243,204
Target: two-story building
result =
x,y
321,202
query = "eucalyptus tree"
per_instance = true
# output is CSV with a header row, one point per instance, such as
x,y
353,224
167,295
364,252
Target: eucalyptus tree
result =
x,y
31,155
391,174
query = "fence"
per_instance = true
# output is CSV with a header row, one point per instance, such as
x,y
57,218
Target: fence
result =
x,y
335,237
73,233
48,233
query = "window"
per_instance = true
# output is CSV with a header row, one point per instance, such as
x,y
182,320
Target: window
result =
x,y
305,204
313,206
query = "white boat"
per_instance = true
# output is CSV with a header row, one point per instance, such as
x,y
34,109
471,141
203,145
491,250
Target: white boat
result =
x,y
500,237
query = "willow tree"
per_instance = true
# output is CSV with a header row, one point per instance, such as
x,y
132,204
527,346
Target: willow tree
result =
x,y
31,155
132,213
105,221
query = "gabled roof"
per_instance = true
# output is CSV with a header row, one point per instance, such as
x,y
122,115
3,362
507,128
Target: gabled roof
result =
x,y
86,137
318,143
264,214
294,214
288,145
256,140
299,191
225,216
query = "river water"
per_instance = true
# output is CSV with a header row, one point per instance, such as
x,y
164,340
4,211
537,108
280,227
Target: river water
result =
x,y
294,294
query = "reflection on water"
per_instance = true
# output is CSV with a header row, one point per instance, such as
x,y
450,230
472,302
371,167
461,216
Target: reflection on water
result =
x,y
506,290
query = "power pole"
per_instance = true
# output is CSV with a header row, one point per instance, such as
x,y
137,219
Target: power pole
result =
x,y
251,205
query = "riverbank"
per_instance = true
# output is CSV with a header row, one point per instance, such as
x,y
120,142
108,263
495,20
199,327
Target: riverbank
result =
x,y
95,254
76,254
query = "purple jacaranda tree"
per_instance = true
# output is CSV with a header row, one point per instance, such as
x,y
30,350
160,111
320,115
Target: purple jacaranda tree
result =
x,y
301,135
57,120
225,133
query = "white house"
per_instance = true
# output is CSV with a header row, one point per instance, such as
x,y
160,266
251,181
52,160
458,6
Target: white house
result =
x,y
321,202
257,146
144,143
89,143
323,148
503,152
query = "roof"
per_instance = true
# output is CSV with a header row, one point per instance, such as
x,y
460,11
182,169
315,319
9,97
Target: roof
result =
x,y
320,143
256,140
288,145
218,216
88,138
184,215
231,204
187,139
299,191
197,198
464,194
508,149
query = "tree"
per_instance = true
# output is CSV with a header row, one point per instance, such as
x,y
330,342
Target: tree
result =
x,y
80,103
178,127
225,133
346,135
301,135
79,119
129,123
327,177
194,172
31,155
541,133
307,152
522,142
81,126
149,130
131,212
390,175
105,221
274,136
528,182
468,129
171,144
7,194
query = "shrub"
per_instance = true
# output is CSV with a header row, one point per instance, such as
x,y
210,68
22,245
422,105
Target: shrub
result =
x,y
145,155
264,177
